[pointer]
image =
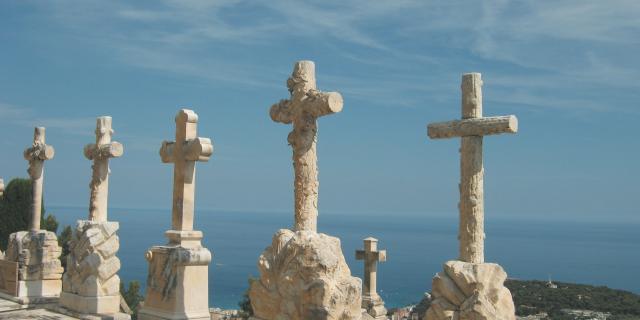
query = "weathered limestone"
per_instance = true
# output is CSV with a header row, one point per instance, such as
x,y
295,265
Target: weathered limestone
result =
x,y
470,289
178,280
306,105
37,154
90,284
36,251
303,274
371,301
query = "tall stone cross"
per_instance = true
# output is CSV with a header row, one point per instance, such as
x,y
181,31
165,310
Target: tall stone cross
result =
x,y
100,152
303,109
183,153
37,154
471,129
371,256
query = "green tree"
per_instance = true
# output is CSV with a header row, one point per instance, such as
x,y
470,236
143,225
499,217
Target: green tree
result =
x,y
64,242
132,296
15,211
246,310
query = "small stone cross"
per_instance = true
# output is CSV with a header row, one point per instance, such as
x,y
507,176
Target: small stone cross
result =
x,y
37,154
471,129
371,256
100,152
183,153
303,109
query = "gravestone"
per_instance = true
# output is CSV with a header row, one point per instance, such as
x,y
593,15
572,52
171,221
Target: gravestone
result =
x,y
36,251
178,279
91,285
303,274
469,288
371,301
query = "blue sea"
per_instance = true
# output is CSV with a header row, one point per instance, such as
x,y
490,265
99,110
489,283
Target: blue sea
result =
x,y
598,253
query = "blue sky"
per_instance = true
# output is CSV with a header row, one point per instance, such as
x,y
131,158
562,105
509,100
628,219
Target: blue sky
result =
x,y
567,69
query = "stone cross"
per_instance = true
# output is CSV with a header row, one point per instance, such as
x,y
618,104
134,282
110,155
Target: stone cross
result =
x,y
100,152
303,109
1,187
471,129
37,154
371,256
183,153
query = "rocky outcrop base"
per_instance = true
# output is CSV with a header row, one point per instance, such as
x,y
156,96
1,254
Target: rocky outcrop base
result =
x,y
91,283
304,276
468,291
37,254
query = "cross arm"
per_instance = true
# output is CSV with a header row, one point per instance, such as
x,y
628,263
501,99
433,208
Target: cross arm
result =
x,y
109,150
39,152
314,102
360,254
381,255
473,127
198,149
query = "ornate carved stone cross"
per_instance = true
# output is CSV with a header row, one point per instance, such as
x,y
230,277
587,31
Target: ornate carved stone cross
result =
x,y
303,109
100,152
371,256
37,154
471,129
183,153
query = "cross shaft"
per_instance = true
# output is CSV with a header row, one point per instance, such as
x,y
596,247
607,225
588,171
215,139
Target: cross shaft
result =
x,y
37,154
471,129
1,187
183,153
303,109
100,152
371,256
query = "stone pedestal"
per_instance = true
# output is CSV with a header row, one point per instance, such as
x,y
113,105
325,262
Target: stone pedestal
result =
x,y
178,280
471,291
374,306
39,267
304,276
91,284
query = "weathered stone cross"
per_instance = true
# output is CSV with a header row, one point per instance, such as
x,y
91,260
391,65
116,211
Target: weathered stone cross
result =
x,y
100,152
183,153
371,256
37,154
306,105
471,129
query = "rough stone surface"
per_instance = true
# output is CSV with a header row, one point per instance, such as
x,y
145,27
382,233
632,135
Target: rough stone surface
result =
x,y
92,268
303,109
37,254
470,291
304,276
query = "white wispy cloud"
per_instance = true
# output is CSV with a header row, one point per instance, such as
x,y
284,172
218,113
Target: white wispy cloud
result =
x,y
560,45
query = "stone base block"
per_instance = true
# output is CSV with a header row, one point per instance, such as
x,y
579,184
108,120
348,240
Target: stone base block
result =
x,y
470,291
152,314
374,307
90,305
39,288
177,283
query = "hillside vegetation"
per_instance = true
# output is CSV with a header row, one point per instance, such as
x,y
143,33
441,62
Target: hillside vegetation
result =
x,y
535,297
